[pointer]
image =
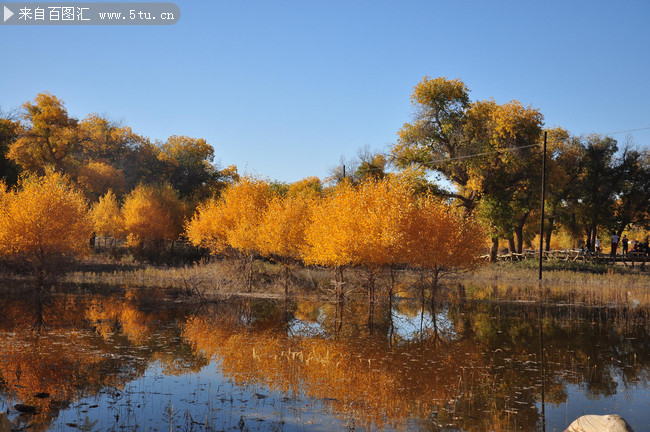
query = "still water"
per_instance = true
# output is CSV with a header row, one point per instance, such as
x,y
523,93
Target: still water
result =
x,y
139,360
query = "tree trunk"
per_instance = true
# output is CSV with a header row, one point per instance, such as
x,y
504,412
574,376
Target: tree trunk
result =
x,y
548,233
371,299
511,245
494,250
287,275
519,232
249,276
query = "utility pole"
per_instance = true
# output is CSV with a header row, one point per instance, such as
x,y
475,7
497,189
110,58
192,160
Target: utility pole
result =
x,y
541,224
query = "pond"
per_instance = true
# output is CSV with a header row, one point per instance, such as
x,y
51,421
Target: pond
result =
x,y
142,360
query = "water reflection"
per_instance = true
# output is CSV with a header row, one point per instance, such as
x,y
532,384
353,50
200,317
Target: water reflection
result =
x,y
137,357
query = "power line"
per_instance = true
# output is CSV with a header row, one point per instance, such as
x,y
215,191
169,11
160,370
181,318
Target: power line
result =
x,y
511,149
523,147
484,153
628,130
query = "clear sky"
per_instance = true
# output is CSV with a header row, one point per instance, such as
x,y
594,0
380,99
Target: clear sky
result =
x,y
283,89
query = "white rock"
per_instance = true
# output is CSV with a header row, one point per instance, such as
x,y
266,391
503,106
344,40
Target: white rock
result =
x,y
598,423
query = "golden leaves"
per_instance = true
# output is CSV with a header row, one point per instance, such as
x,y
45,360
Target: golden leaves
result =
x,y
44,216
376,223
152,213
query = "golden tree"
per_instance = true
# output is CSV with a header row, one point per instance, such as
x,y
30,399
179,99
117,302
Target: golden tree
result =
x,y
49,138
42,222
332,237
107,218
364,225
207,229
283,227
233,222
442,239
152,215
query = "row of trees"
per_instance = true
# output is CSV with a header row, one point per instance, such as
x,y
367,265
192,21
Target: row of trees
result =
x,y
373,225
591,184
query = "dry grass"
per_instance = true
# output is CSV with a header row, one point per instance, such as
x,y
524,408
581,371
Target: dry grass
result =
x,y
516,282
503,281
219,277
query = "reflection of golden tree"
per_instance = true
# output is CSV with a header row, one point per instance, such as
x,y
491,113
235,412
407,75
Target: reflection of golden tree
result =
x,y
360,377
106,316
68,360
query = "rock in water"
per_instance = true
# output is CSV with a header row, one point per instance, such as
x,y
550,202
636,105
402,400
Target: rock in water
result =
x,y
5,424
598,423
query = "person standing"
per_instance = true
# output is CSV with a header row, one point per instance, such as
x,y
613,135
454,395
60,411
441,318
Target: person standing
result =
x,y
615,239
597,244
624,242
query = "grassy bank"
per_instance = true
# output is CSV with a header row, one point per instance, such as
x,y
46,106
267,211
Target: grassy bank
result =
x,y
518,281
582,283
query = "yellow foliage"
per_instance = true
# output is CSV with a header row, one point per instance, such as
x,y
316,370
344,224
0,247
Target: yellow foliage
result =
x,y
98,177
106,216
331,236
152,214
282,231
441,237
207,229
44,217
234,220
50,137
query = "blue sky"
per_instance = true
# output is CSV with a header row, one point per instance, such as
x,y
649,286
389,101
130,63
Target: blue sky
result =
x,y
283,89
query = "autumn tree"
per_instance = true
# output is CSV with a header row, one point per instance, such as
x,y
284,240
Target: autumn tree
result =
x,y
442,239
97,178
49,139
332,235
232,222
152,215
284,224
436,134
43,222
107,218
449,129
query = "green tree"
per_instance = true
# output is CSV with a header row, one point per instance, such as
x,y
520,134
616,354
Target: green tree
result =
x,y
594,203
8,134
448,130
189,164
633,192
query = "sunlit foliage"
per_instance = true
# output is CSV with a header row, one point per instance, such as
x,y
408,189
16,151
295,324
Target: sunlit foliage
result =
x,y
152,214
282,229
42,221
107,218
232,221
443,237
50,137
98,177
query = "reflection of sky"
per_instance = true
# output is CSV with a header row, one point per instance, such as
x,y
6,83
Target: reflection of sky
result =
x,y
149,402
409,327
305,328
635,410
